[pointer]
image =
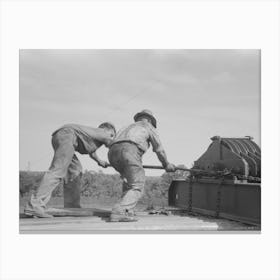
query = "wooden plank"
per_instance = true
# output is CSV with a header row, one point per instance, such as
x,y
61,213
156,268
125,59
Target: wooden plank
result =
x,y
146,223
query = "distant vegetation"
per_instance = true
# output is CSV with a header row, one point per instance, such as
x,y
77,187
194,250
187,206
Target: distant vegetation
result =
x,y
100,186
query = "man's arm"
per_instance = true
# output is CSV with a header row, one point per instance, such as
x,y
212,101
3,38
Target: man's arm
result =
x,y
104,137
100,162
158,149
169,167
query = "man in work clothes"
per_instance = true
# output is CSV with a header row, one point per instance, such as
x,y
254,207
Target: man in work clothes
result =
x,y
125,155
65,165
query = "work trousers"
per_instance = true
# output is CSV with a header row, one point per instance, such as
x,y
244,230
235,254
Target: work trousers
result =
x,y
65,167
126,158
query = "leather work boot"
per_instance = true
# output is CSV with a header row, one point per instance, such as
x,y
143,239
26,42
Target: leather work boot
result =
x,y
37,212
117,217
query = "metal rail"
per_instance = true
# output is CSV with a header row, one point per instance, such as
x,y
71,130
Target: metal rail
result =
x,y
195,171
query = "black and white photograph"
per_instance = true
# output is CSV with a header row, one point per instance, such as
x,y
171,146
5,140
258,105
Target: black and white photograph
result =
x,y
140,140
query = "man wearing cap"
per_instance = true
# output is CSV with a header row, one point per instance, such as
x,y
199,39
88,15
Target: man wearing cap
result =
x,y
65,165
125,155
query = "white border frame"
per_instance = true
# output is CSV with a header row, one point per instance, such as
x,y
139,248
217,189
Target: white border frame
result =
x,y
155,24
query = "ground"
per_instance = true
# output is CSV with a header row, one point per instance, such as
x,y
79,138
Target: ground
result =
x,y
90,220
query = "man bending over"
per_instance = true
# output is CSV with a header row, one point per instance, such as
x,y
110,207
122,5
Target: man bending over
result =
x,y
65,165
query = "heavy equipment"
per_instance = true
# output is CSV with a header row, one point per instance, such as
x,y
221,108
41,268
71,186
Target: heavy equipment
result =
x,y
225,182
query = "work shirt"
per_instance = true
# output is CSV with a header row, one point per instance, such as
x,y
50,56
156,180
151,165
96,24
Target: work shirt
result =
x,y
141,134
88,139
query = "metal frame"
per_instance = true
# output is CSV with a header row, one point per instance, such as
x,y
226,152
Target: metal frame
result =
x,y
221,198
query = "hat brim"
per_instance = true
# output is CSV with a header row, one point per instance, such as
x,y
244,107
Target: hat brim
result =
x,y
152,118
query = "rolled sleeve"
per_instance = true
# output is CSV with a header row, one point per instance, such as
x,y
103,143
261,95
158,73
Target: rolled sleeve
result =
x,y
155,141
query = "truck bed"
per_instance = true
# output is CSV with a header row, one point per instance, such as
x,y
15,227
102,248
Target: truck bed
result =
x,y
96,221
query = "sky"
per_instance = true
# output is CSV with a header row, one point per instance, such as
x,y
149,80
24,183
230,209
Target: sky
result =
x,y
194,95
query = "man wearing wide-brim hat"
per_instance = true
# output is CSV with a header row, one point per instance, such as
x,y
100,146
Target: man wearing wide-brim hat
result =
x,y
125,155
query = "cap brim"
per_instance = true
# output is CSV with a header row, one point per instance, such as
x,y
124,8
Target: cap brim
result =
x,y
152,118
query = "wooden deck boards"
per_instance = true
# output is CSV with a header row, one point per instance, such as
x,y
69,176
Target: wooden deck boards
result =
x,y
96,221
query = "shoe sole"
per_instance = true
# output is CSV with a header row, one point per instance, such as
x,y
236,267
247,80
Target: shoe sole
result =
x,y
121,221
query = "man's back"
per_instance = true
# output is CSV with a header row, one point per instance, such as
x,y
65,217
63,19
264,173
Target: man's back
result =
x,y
140,133
89,138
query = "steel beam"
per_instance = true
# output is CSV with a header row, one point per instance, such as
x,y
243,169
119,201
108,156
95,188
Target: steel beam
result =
x,y
230,199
